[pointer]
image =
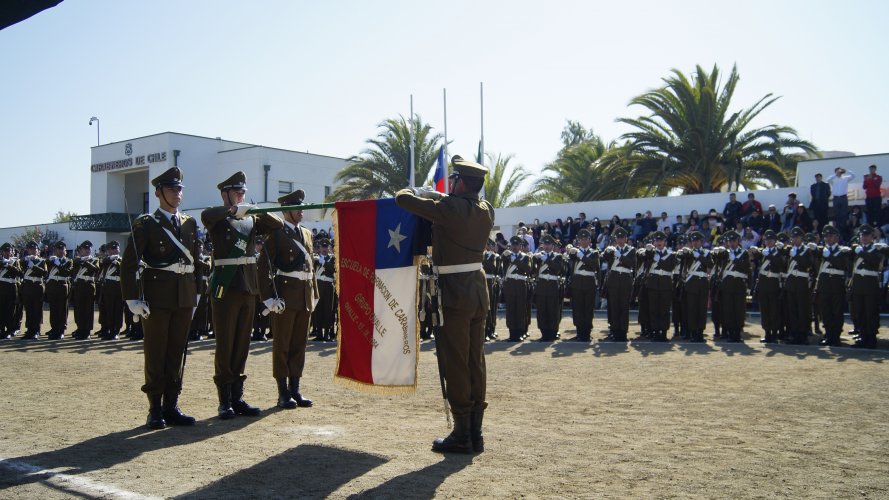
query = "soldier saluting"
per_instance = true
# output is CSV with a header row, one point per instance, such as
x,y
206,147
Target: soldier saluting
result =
x,y
865,286
550,267
583,268
10,274
621,259
324,315
32,290
59,269
798,287
165,242
830,284
516,275
233,288
112,303
659,284
767,292
734,263
697,264
493,267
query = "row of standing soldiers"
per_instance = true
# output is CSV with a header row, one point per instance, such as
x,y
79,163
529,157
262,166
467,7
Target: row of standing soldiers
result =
x,y
795,282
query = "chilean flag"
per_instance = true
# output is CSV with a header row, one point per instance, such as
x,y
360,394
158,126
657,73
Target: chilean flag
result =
x,y
376,273
438,180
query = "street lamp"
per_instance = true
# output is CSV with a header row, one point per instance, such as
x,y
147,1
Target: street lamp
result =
x,y
94,119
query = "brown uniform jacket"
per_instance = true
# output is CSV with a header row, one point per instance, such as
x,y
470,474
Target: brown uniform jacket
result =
x,y
283,253
164,289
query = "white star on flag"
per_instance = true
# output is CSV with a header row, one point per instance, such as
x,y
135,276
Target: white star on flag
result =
x,y
395,238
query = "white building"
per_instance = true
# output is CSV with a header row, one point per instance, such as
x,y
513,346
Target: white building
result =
x,y
121,173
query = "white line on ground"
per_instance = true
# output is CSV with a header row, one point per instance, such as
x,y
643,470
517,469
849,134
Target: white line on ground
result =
x,y
70,483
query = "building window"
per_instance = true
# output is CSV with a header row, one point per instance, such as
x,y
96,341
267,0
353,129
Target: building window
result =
x,y
145,203
326,192
285,187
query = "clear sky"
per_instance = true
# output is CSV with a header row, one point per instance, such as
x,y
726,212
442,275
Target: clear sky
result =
x,y
320,76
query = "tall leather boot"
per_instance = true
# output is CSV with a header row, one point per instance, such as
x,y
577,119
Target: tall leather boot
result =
x,y
172,414
225,401
294,393
458,441
475,430
284,400
155,414
240,406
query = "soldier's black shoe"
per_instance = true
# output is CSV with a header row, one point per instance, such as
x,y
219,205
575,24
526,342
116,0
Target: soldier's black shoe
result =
x,y
258,336
458,441
31,335
155,413
4,335
194,335
475,430
225,401
284,400
294,393
171,412
240,406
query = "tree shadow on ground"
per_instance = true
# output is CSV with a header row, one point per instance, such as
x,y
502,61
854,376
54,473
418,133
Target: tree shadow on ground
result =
x,y
420,483
307,471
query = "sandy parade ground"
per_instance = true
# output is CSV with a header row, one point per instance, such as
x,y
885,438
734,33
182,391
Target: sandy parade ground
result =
x,y
566,419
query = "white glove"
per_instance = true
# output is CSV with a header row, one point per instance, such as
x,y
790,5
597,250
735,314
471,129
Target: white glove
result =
x,y
649,247
617,253
428,193
30,263
793,252
242,208
55,260
572,250
696,253
879,246
731,256
859,249
811,246
139,308
826,252
779,245
507,254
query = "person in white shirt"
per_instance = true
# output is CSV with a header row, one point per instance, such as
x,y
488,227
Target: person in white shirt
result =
x,y
839,188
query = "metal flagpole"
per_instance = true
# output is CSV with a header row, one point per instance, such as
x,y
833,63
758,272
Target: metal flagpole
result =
x,y
411,125
481,87
444,93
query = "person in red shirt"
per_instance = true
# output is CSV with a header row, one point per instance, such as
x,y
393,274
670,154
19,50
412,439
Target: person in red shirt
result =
x,y
873,196
749,207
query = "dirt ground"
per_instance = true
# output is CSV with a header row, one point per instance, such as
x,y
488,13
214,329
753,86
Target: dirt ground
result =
x,y
570,420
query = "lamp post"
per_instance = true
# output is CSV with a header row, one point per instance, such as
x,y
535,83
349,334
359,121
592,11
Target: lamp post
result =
x,y
94,119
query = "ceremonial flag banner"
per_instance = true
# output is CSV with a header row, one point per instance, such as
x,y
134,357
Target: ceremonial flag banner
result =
x,y
376,246
438,180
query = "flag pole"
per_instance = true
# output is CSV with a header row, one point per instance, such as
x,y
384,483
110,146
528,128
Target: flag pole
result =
x,y
288,208
444,94
411,125
481,86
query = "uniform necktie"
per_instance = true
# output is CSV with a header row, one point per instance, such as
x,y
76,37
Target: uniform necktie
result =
x,y
175,221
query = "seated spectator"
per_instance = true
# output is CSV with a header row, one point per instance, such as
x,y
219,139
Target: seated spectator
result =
x,y
816,226
789,211
596,228
749,238
854,221
749,207
678,226
757,221
880,236
773,219
663,223
615,221
862,215
501,243
638,228
649,225
801,218
569,231
581,222
604,239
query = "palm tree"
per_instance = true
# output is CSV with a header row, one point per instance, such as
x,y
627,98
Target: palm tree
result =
x,y
691,140
577,174
382,169
501,189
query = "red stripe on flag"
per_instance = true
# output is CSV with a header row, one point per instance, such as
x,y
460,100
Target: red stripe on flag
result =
x,y
357,255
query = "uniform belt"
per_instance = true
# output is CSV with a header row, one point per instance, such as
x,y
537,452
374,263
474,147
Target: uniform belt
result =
x,y
770,274
9,280
661,272
177,268
239,261
324,278
867,272
581,272
112,278
736,274
835,272
33,279
515,277
425,277
621,269
87,278
548,277
799,274
699,274
57,278
490,277
300,275
458,268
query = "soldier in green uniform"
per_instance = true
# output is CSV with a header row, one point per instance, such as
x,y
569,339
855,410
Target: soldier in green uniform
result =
x,y
662,265
233,288
32,290
798,287
199,322
830,285
112,301
163,301
288,258
583,269
769,282
493,267
697,263
461,224
517,267
621,260
325,276
640,292
59,270
865,286
550,267
83,290
734,277
10,276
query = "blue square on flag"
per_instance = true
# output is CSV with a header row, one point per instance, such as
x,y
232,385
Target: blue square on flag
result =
x,y
396,231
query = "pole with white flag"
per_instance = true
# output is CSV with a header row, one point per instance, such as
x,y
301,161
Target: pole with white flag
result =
x,y
411,125
444,94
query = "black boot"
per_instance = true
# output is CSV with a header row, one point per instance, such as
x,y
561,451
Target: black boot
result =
x,y
240,406
458,440
225,401
294,393
155,414
284,399
475,430
172,414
